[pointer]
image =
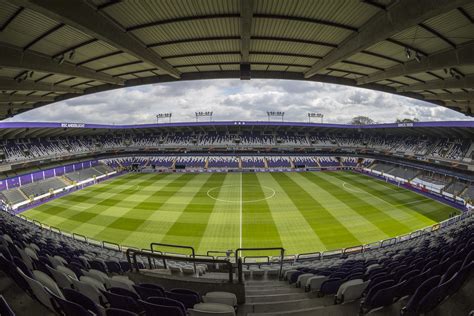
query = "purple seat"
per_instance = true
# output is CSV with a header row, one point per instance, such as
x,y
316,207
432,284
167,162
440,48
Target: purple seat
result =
x,y
188,300
122,302
412,306
164,301
159,310
98,265
113,267
330,286
146,292
5,309
367,303
124,292
119,312
383,297
79,298
69,308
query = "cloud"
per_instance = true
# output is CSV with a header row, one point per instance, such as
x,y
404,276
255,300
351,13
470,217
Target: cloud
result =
x,y
232,99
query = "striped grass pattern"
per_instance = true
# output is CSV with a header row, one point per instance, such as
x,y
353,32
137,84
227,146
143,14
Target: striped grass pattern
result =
x,y
302,212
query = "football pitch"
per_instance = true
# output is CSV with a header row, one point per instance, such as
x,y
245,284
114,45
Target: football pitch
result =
x,y
302,212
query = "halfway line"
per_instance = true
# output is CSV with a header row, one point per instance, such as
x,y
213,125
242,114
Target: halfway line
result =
x,y
240,210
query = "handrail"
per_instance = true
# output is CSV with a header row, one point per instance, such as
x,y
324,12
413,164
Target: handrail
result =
x,y
239,259
175,246
252,257
365,247
111,243
55,229
318,255
79,235
355,249
218,252
132,254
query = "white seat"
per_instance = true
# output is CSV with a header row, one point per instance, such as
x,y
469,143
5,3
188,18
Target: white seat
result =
x,y
48,282
88,290
60,259
26,259
38,290
67,272
211,309
61,278
98,275
92,281
288,273
31,253
351,290
54,262
302,278
314,283
122,282
225,298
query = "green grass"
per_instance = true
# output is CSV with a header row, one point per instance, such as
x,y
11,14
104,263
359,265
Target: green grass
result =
x,y
302,212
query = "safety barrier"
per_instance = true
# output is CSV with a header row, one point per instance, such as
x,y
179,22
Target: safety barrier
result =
x,y
132,260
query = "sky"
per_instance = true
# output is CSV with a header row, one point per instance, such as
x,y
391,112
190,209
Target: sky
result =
x,y
232,99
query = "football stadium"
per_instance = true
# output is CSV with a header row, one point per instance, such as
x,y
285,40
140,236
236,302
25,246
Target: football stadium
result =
x,y
210,217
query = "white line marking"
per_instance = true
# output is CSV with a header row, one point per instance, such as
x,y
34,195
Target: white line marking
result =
x,y
240,210
240,200
344,184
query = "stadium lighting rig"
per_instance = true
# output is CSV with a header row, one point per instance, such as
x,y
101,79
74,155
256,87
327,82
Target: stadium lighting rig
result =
x,y
271,114
204,114
317,115
162,116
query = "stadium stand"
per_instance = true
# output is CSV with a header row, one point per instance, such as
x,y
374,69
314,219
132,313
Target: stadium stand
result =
x,y
42,187
27,149
393,277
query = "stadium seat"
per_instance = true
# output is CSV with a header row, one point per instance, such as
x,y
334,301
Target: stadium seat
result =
x,y
167,302
119,312
225,298
211,309
80,299
149,290
39,291
157,310
412,306
123,302
5,309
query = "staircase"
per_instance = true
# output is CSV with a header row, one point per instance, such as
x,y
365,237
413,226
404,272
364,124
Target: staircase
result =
x,y
264,298
265,162
292,163
317,161
206,163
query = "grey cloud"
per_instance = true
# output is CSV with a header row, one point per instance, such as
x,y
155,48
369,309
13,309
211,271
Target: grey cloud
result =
x,y
235,99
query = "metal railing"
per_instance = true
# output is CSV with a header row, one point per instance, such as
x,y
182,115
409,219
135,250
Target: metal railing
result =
x,y
132,260
239,259
323,255
193,252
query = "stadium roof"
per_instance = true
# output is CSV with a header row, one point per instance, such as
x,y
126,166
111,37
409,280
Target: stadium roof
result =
x,y
15,130
54,50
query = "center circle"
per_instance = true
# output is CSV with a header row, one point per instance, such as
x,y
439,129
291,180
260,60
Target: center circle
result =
x,y
234,193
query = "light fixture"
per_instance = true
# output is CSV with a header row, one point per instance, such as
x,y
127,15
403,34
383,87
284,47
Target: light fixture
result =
x,y
60,59
72,54
408,53
30,74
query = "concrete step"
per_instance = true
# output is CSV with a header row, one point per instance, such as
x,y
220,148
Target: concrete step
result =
x,y
272,290
288,305
333,310
275,297
265,283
